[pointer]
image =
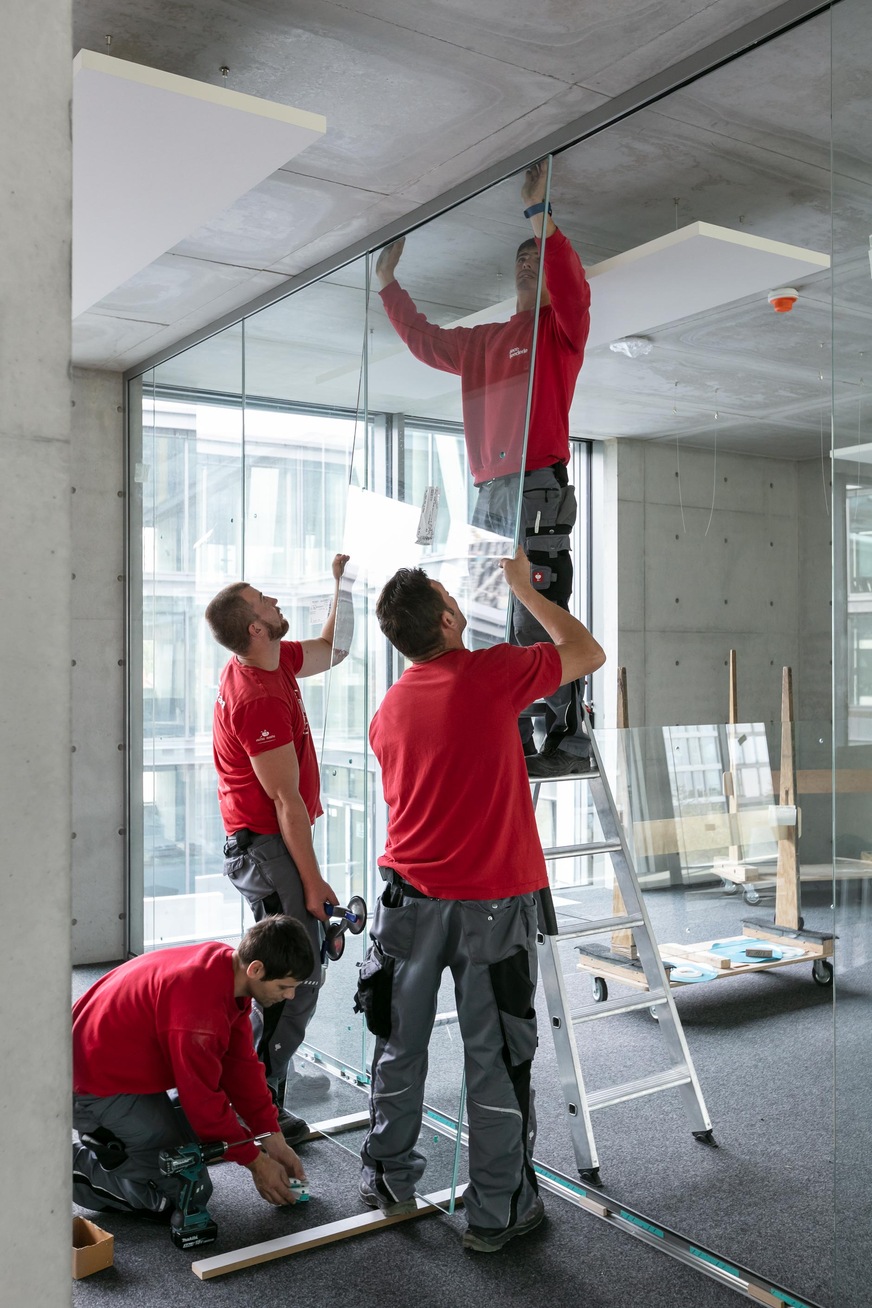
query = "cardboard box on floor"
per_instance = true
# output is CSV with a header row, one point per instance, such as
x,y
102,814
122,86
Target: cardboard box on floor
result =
x,y
93,1248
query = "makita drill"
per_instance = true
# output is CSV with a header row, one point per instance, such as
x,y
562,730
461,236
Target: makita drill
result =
x,y
190,1224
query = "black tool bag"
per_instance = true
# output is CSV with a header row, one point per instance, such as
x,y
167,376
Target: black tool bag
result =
x,y
375,983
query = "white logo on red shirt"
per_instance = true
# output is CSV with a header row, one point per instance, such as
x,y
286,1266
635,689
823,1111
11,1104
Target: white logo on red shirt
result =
x,y
515,352
266,735
221,702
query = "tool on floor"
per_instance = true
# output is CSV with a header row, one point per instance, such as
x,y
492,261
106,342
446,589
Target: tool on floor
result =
x,y
191,1224
353,919
680,1073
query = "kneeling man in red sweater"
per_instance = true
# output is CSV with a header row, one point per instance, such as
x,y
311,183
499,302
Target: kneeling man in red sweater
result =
x,y
178,1019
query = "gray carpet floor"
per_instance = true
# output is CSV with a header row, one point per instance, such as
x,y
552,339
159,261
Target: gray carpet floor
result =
x,y
763,1048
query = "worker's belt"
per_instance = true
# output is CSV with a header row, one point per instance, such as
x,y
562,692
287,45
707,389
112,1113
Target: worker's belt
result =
x,y
561,475
393,879
558,529
238,841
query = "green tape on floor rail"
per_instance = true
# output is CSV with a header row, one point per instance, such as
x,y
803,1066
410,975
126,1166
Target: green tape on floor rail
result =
x,y
717,1262
639,1221
787,1298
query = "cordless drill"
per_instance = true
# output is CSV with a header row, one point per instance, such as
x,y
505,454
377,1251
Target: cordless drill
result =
x,y
191,1225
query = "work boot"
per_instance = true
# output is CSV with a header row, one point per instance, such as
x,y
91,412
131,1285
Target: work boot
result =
x,y
385,1202
483,1239
557,763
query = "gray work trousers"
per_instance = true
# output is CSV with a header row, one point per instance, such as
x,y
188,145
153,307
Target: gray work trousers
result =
x,y
548,511
267,877
144,1124
490,947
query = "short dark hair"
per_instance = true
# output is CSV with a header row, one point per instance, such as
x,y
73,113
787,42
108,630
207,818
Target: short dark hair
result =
x,y
525,245
282,944
229,616
409,612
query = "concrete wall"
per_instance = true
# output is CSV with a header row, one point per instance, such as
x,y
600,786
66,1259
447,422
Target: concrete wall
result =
x,y
685,585
98,757
35,158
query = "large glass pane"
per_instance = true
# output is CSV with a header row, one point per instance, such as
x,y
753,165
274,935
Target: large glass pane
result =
x,y
451,344
852,643
711,410
753,996
304,418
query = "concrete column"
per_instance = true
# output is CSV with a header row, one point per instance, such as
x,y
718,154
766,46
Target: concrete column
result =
x,y
97,478
692,581
35,162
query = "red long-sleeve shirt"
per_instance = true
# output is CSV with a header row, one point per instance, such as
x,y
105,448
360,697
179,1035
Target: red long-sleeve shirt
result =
x,y
170,1018
493,361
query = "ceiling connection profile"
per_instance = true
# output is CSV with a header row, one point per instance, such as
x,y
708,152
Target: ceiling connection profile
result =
x,y
155,156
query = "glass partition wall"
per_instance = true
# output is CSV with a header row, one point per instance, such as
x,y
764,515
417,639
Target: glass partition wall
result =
x,y
334,420
308,429
852,667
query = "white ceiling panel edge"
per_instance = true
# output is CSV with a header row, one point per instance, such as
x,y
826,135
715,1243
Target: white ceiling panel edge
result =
x,y
155,156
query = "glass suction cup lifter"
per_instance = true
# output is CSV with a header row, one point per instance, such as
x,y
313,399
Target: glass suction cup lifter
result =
x,y
352,918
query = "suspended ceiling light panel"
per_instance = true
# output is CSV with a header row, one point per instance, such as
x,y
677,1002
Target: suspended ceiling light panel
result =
x,y
690,271
693,270
155,156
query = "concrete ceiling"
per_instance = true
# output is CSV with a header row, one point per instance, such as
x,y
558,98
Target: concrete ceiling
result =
x,y
418,98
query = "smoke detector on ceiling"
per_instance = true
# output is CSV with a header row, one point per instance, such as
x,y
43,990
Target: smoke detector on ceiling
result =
x,y
633,346
783,299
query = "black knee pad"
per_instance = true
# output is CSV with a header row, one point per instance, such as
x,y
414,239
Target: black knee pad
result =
x,y
558,587
106,1147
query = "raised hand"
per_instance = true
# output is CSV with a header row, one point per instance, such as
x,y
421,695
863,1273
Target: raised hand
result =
x,y
387,261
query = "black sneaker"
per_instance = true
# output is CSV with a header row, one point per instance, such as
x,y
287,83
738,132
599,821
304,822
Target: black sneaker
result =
x,y
390,1207
559,763
294,1129
482,1239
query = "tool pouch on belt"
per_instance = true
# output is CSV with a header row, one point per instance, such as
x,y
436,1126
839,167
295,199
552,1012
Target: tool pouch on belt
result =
x,y
374,985
555,526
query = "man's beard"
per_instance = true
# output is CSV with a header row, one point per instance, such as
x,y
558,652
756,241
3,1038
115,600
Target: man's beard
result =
x,y
275,630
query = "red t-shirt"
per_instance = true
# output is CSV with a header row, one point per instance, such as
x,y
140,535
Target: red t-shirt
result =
x,y
171,1019
257,711
493,361
461,823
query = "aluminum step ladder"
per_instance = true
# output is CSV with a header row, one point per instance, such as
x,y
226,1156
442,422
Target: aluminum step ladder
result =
x,y
680,1073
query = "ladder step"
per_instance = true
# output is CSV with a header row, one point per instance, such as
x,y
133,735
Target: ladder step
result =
x,y
594,847
611,1007
599,926
646,1085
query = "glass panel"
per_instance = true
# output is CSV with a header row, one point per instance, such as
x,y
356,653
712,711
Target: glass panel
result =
x,y
709,874
304,418
852,644
192,535
711,411
420,505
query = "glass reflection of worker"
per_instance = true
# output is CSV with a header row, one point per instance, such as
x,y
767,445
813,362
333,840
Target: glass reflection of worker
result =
x,y
493,361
